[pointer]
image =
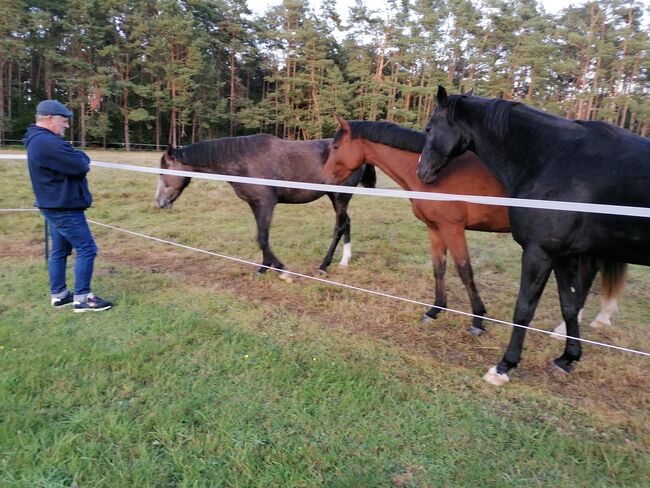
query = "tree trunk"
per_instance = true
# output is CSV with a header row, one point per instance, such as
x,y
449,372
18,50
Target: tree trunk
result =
x,y
125,120
233,91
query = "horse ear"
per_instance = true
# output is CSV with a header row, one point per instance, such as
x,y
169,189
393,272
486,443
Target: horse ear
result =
x,y
441,96
169,152
343,124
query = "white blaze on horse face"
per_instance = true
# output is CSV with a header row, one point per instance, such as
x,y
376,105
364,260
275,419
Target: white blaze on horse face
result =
x,y
159,191
347,254
160,187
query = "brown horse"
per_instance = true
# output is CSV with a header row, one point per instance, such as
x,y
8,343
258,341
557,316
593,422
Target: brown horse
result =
x,y
396,150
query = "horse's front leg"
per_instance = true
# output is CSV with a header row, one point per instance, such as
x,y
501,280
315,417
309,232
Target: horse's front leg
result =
x,y
572,295
263,212
535,270
342,228
439,261
455,238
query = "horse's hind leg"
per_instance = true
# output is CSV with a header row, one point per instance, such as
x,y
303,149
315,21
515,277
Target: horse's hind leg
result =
x,y
571,295
588,271
439,260
342,228
455,239
263,213
613,279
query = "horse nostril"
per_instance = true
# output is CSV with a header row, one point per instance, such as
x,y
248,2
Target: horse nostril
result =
x,y
163,203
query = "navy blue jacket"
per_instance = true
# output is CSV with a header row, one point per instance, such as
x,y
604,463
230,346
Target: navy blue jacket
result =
x,y
57,170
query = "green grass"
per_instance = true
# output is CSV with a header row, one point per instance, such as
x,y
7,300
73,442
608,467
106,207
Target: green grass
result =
x,y
203,376
164,390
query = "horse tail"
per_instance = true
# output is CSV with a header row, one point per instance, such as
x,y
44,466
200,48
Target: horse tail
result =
x,y
369,176
612,278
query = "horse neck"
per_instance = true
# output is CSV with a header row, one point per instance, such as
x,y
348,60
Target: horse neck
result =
x,y
398,164
513,164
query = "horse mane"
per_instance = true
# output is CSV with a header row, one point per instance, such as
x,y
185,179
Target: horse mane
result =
x,y
497,112
387,133
609,130
226,149
497,118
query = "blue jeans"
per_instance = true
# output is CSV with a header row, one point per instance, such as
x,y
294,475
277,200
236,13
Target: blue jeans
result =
x,y
69,230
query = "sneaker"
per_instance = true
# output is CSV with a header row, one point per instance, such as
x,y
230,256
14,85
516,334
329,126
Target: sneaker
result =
x,y
92,304
62,301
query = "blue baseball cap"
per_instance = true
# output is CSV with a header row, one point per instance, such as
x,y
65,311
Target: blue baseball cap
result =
x,y
52,107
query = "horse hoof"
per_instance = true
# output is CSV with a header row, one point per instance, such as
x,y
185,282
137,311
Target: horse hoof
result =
x,y
475,331
321,272
599,324
560,367
425,319
494,378
286,277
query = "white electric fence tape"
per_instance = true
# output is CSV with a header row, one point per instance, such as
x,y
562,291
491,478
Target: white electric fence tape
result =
x,y
515,202
417,195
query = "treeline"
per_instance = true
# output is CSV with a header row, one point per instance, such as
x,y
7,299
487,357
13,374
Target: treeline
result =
x,y
179,71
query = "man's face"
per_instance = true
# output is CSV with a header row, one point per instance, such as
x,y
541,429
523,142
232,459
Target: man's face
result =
x,y
58,124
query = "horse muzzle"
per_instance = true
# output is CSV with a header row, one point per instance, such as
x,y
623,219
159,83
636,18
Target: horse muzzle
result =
x,y
164,202
428,168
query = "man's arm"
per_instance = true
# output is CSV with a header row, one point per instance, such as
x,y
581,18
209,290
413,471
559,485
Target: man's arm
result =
x,y
60,156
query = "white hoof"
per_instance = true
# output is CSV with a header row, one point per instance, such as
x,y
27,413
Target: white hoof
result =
x,y
494,378
286,277
560,329
599,323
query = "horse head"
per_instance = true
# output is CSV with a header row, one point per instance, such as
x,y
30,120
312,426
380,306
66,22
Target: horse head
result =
x,y
445,139
345,155
170,187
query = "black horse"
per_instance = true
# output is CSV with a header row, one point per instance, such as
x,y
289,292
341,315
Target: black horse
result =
x,y
540,156
269,157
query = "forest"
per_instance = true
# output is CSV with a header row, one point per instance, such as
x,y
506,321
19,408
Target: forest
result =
x,y
147,73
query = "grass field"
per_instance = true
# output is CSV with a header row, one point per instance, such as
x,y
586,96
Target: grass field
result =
x,y
203,375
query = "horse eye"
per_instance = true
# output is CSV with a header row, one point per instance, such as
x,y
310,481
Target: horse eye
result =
x,y
427,129
336,146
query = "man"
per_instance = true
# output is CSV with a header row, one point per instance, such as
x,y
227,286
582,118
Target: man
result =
x,y
58,174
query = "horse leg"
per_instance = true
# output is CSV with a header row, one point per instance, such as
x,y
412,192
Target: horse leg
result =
x,y
613,279
439,260
569,287
608,307
341,229
588,272
535,270
455,238
263,213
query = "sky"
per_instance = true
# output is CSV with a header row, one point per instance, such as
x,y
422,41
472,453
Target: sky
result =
x,y
259,6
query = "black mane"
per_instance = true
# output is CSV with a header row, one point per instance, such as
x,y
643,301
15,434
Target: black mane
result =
x,y
219,151
497,113
607,129
386,133
497,118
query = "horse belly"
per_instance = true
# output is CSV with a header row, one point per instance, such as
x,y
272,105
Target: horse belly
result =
x,y
292,195
487,218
